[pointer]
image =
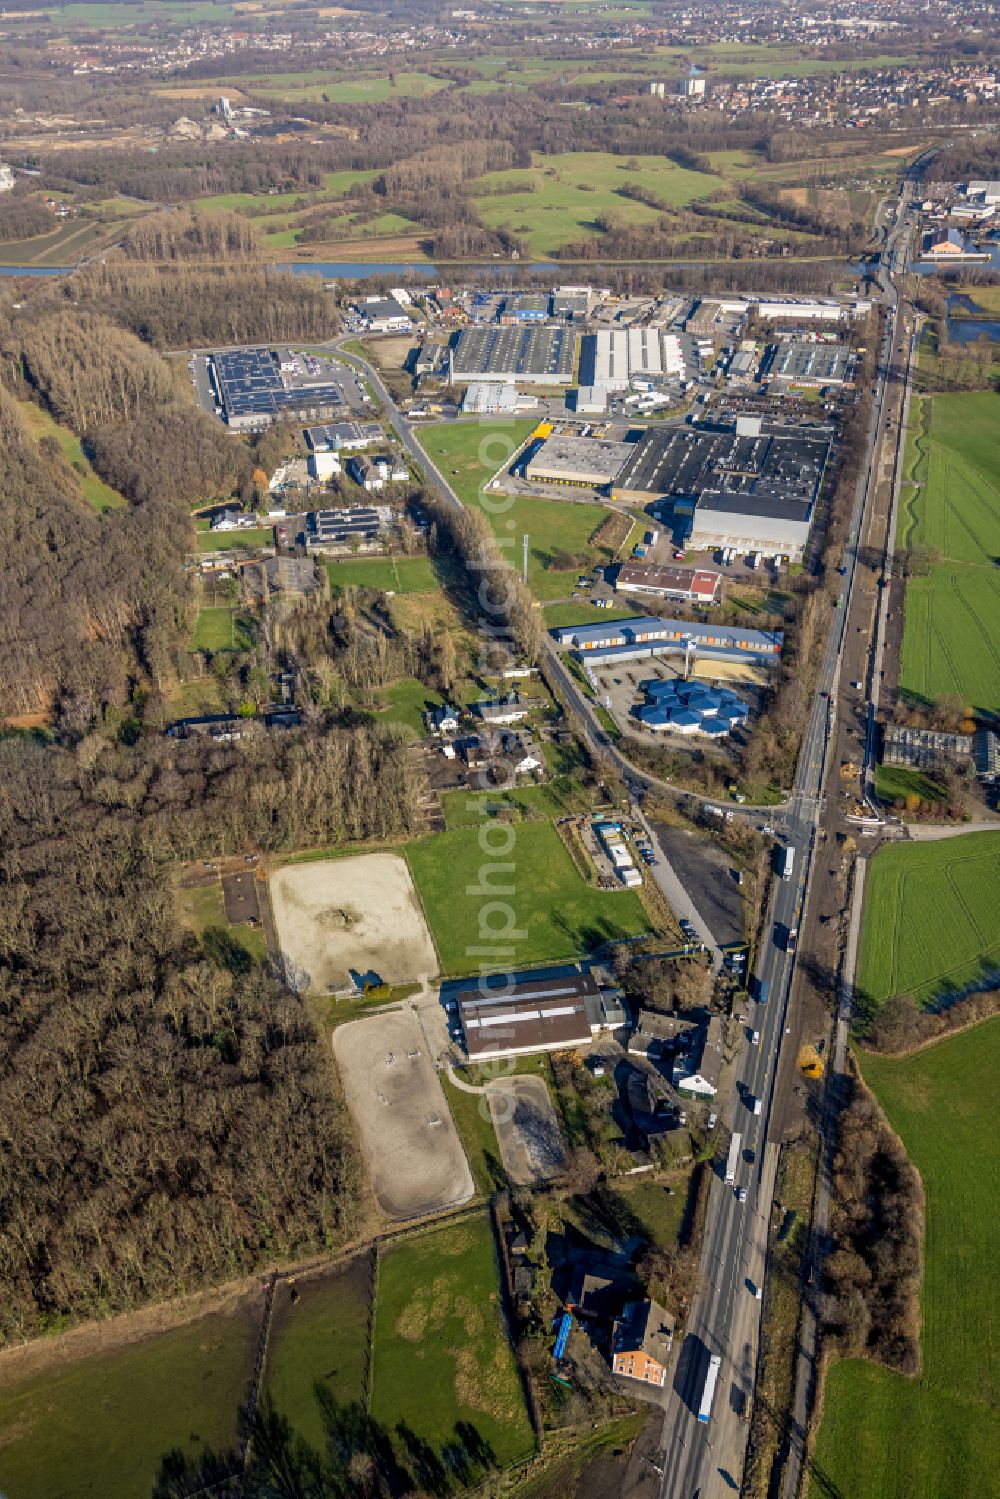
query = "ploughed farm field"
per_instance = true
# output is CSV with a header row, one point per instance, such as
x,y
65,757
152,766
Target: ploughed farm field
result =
x,y
887,1437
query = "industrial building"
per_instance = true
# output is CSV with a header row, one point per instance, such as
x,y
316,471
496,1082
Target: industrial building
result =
x,y
363,523
646,636
614,357
252,393
798,362
490,398
591,462
525,307
677,706
571,302
336,437
515,1017
697,585
536,356
384,315
750,485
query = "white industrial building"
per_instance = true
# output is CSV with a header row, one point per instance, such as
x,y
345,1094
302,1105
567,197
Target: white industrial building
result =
x,y
490,398
323,465
615,357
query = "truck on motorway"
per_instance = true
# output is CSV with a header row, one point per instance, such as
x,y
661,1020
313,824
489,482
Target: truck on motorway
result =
x,y
708,1393
784,860
762,989
734,1159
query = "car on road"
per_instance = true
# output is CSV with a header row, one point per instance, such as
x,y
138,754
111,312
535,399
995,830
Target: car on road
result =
x,y
755,1038
857,686
741,1194
688,930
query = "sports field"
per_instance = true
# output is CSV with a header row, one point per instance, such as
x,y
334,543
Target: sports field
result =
x,y
930,918
468,454
441,1353
391,574
886,1437
555,914
951,635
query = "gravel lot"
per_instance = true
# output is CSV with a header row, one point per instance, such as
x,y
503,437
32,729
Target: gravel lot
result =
x,y
361,914
706,872
531,1146
414,1155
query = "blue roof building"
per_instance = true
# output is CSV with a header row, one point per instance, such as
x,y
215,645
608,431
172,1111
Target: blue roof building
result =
x,y
681,707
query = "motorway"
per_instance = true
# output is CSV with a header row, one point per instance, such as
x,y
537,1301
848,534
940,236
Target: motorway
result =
x,y
702,1461
705,1460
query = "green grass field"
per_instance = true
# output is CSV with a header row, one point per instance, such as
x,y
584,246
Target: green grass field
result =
x,y
885,1437
950,638
340,90
202,911
322,1339
895,781
468,454
219,627
98,1428
235,541
559,915
930,917
557,200
441,1353
391,574
100,496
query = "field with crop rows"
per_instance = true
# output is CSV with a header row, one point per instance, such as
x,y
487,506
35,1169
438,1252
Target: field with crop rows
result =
x,y
930,921
951,635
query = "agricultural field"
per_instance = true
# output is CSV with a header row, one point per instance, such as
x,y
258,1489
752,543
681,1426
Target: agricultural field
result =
x,y
886,1437
98,1427
952,506
930,918
557,200
559,915
98,495
441,1352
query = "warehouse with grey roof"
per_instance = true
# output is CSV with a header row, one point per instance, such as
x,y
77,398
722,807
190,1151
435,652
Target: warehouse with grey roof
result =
x,y
563,458
527,354
750,485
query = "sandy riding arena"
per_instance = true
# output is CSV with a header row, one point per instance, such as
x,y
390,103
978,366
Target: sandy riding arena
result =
x,y
531,1146
414,1155
342,915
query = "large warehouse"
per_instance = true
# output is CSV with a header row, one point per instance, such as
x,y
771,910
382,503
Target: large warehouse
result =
x,y
530,1015
253,393
613,357
751,485
800,362
591,462
531,355
645,636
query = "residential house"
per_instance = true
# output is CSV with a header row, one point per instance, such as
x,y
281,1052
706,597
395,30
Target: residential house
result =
x,y
512,710
642,1341
656,1035
443,720
698,1067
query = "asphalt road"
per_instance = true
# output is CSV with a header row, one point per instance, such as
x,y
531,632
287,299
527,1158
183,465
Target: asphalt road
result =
x,y
706,1459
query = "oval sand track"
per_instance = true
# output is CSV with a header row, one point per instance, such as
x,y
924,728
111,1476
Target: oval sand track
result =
x,y
414,1154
